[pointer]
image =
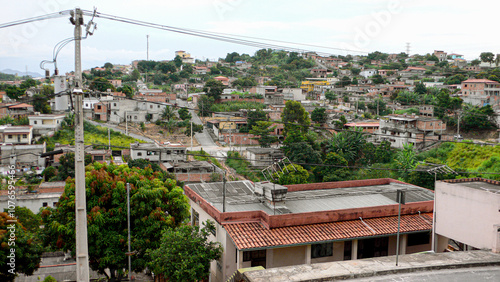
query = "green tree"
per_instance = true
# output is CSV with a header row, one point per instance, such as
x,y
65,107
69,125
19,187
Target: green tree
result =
x,y
377,79
184,114
127,90
420,88
135,75
295,116
67,167
185,253
487,57
197,128
155,205
348,144
292,174
27,248
263,129
166,67
334,169
213,88
318,115
178,61
406,160
205,102
475,62
108,65
168,113
252,118
300,150
101,84
331,96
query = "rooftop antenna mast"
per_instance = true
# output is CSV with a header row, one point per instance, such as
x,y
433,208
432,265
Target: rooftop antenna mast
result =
x,y
408,48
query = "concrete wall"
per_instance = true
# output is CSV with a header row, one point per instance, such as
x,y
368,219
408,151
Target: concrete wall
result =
x,y
32,201
467,215
287,256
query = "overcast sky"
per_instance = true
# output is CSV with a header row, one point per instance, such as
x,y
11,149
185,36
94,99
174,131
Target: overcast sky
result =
x,y
467,28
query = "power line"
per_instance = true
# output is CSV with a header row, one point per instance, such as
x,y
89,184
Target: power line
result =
x,y
35,19
230,38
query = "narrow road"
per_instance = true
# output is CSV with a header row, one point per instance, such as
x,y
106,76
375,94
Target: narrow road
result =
x,y
203,138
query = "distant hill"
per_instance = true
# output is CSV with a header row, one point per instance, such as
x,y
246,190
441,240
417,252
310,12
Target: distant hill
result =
x,y
21,73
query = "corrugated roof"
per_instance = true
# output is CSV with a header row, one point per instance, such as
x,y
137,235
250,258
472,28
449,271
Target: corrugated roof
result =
x,y
252,235
240,197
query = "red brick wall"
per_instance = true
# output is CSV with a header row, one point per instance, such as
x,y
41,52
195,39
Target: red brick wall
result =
x,y
193,177
239,139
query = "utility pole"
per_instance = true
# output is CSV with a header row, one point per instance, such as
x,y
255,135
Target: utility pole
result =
x,y
458,124
224,193
128,228
147,51
126,124
82,254
109,141
191,135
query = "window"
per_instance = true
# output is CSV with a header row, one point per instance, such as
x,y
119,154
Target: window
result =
x,y
195,220
10,136
150,106
44,204
139,154
98,107
258,258
34,122
321,250
418,239
25,136
347,250
98,158
54,204
135,117
114,105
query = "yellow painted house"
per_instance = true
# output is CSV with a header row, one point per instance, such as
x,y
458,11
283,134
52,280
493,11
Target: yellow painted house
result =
x,y
308,85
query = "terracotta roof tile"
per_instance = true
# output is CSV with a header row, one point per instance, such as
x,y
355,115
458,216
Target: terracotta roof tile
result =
x,y
252,235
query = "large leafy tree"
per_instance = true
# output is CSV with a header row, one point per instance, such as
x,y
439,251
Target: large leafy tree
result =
x,y
263,129
348,144
155,204
213,88
204,104
487,57
291,174
318,115
331,96
185,253
295,116
334,169
101,84
67,165
252,118
27,248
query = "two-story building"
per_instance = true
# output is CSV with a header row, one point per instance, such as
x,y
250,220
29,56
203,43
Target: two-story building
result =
x,y
480,92
44,124
158,153
417,130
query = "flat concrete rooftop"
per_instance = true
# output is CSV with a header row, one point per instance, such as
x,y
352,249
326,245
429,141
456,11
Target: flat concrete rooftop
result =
x,y
240,196
481,186
377,267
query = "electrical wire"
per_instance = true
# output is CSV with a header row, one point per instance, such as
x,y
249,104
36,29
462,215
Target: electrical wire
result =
x,y
230,38
35,19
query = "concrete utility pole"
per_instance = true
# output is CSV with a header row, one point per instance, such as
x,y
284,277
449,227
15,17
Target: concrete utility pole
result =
x,y
128,224
82,254
191,135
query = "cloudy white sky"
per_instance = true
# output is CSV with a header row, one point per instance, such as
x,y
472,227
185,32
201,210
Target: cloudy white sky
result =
x,y
468,28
